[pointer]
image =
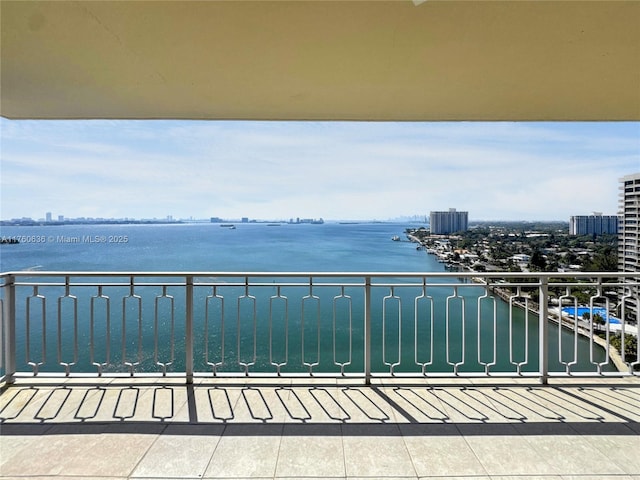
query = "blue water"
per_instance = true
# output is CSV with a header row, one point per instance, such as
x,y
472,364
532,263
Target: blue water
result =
x,y
209,247
329,247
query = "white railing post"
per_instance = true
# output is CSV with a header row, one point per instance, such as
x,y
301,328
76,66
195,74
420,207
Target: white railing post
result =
x,y
367,330
189,329
9,334
543,321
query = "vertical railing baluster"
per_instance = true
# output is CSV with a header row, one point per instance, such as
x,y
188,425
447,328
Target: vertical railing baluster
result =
x,y
188,362
449,301
390,364
251,299
367,330
543,319
342,365
626,356
67,294
562,324
220,299
137,360
633,366
107,304
416,343
9,337
285,300
35,365
156,332
607,328
487,365
623,324
312,297
512,306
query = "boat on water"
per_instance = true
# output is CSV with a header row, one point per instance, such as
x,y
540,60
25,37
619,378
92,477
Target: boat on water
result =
x,y
395,238
230,226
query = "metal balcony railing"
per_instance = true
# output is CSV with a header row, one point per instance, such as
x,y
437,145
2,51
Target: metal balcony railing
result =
x,y
318,324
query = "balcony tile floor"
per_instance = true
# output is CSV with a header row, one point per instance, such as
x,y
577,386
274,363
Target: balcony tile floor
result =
x,y
322,429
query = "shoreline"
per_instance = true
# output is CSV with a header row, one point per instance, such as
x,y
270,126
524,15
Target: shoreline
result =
x,y
566,323
613,354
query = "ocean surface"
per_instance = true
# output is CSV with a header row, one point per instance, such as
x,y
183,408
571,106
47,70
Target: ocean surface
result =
x,y
257,247
209,247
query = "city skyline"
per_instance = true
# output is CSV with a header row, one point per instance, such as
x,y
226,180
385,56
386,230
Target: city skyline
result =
x,y
333,170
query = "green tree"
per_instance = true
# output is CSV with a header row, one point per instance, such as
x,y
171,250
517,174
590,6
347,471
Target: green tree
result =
x,y
630,346
598,321
538,261
604,260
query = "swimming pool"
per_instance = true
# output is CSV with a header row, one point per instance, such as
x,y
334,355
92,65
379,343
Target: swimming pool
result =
x,y
596,310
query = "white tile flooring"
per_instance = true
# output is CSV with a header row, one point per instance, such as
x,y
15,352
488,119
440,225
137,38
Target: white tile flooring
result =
x,y
241,429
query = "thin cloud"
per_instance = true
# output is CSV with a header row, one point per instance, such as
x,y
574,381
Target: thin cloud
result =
x,y
279,170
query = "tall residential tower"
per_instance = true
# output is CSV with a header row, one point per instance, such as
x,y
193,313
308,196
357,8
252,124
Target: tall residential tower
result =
x,y
629,235
596,224
443,223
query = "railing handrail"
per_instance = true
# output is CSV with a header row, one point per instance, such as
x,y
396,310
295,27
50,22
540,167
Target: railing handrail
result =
x,y
480,278
329,274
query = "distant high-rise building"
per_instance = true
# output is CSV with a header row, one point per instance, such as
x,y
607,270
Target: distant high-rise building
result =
x,y
48,216
596,224
61,218
444,223
629,237
245,219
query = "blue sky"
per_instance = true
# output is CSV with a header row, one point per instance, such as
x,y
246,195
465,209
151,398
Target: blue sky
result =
x,y
334,170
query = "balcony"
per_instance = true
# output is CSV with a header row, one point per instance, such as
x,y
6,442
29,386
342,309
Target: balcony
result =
x,y
322,375
180,376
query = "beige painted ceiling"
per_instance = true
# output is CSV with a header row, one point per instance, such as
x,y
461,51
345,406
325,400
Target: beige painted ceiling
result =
x,y
321,60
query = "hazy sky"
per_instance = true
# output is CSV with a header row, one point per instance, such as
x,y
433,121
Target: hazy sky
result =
x,y
334,170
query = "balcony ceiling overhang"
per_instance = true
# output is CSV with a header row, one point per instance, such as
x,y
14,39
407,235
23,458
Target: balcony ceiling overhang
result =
x,y
321,60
